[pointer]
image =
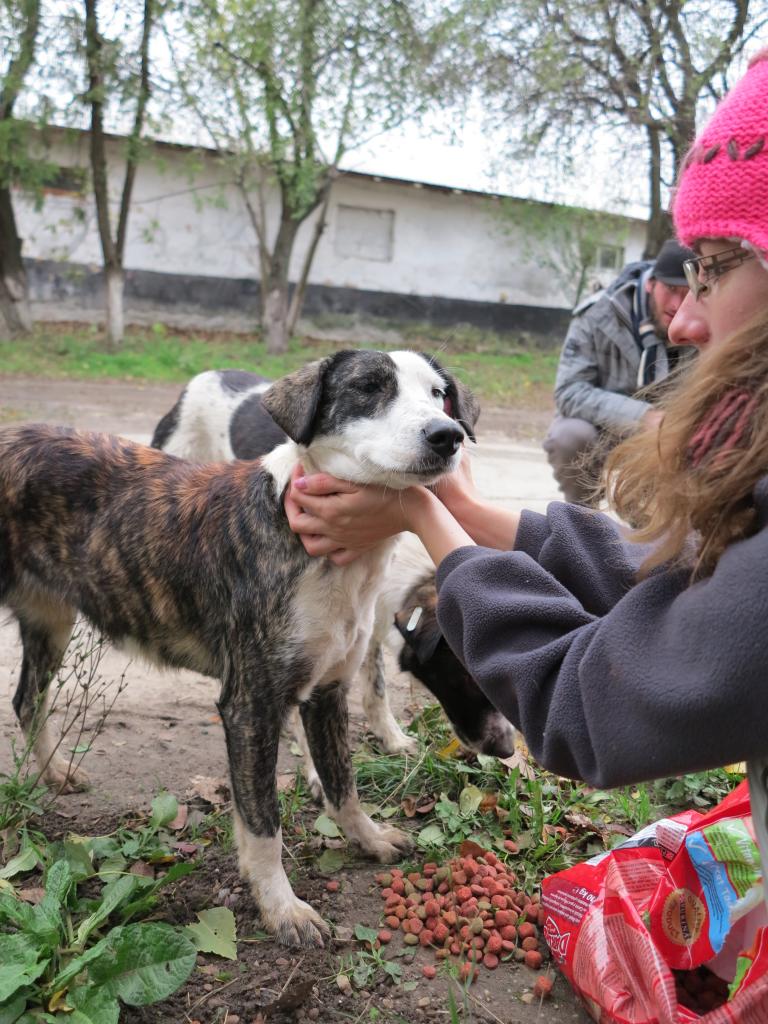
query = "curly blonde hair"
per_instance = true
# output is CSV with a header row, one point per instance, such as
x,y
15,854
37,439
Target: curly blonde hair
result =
x,y
692,479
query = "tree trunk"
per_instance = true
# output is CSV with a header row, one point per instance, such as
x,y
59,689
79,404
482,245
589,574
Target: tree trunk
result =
x,y
274,315
297,299
114,283
659,223
14,304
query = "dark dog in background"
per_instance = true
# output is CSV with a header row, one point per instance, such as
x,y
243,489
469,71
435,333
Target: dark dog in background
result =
x,y
220,415
195,567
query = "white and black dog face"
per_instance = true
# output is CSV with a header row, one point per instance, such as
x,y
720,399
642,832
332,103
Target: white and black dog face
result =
x,y
374,417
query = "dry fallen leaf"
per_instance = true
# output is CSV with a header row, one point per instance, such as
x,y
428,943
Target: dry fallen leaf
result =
x,y
140,867
212,790
471,849
180,821
409,810
520,761
187,847
285,781
581,820
488,803
33,895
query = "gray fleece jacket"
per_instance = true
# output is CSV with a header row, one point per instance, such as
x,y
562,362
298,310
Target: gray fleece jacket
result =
x,y
610,680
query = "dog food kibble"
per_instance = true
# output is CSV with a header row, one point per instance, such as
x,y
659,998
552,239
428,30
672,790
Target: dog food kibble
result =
x,y
700,990
543,988
471,909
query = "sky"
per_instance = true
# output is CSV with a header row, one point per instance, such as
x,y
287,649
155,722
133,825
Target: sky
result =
x,y
479,161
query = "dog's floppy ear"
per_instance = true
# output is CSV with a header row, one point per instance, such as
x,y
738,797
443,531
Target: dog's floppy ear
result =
x,y
418,627
460,403
292,401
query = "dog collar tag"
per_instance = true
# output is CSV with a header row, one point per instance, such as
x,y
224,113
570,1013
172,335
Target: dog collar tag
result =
x,y
414,619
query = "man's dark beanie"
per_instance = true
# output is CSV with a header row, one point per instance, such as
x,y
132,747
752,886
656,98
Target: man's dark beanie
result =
x,y
668,267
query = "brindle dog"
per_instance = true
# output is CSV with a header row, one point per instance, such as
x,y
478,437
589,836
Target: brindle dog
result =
x,y
196,567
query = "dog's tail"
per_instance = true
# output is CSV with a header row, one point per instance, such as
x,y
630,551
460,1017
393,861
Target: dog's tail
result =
x,y
166,427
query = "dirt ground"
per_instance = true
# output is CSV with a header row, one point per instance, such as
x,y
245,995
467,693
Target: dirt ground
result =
x,y
164,730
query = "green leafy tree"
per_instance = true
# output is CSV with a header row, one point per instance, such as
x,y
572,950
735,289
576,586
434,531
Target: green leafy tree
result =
x,y
284,88
565,241
567,67
19,30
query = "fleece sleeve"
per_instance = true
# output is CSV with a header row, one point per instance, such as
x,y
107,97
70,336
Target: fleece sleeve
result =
x,y
584,551
665,679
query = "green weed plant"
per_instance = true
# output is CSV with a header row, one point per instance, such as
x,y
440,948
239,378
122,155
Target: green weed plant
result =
x,y
79,952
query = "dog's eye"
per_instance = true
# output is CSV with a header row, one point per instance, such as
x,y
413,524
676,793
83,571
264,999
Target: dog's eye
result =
x,y
438,393
368,386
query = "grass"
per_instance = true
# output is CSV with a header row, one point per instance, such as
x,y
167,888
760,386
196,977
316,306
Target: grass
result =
x,y
500,369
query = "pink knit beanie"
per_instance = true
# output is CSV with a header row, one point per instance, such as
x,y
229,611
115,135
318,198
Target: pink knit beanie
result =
x,y
723,187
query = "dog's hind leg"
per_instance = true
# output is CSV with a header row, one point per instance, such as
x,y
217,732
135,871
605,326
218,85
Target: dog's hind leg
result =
x,y
376,705
296,730
45,632
326,723
252,726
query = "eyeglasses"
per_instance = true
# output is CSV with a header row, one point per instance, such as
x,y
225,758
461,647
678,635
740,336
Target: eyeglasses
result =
x,y
704,269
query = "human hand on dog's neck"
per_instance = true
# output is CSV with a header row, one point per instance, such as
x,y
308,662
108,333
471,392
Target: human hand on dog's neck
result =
x,y
341,520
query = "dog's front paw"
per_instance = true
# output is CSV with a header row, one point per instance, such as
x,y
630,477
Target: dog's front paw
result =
x,y
389,845
297,925
396,742
62,777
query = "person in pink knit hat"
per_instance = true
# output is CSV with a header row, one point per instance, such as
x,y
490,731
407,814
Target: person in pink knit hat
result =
x,y
627,655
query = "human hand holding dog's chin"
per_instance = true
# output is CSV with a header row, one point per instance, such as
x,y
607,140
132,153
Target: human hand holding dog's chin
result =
x,y
343,520
457,490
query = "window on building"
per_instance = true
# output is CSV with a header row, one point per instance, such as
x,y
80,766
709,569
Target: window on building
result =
x,y
66,181
363,233
609,257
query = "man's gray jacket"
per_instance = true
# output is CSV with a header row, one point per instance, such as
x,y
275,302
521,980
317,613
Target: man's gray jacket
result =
x,y
602,361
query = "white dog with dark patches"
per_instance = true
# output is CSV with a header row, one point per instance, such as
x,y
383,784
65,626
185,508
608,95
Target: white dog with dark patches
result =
x,y
220,415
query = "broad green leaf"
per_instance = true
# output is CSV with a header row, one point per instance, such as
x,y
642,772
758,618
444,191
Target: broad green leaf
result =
x,y
58,881
327,827
15,911
26,860
78,856
144,963
11,1010
215,932
74,967
394,970
92,1005
146,898
115,892
19,964
470,799
363,934
100,846
432,835
387,811
112,866
165,807
330,861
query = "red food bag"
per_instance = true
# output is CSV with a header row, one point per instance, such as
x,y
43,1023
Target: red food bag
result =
x,y
636,929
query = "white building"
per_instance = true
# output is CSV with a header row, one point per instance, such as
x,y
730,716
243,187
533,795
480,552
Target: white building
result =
x,y
392,249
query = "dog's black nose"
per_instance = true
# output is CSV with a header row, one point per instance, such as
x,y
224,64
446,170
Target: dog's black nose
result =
x,y
443,438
